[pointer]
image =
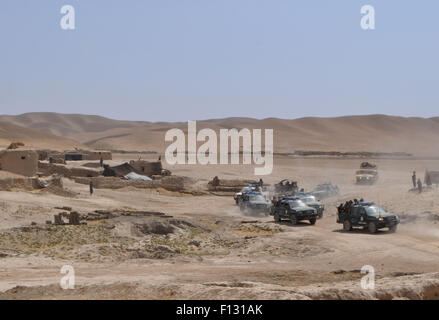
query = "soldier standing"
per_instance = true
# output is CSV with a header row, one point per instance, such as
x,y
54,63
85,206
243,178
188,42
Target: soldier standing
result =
x,y
419,185
91,188
101,162
414,179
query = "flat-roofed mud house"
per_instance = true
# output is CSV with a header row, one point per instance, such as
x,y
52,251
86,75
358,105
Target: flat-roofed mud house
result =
x,y
24,162
70,156
147,168
80,155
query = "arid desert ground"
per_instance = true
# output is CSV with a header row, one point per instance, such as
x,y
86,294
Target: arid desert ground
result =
x,y
144,147
206,249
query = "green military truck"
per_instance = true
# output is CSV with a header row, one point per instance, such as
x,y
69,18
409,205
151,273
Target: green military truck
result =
x,y
254,202
367,215
368,173
293,209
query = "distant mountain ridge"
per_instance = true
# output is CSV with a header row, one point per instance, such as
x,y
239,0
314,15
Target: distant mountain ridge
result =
x,y
372,133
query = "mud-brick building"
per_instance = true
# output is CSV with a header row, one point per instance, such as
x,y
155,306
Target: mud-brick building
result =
x,y
97,155
147,168
24,162
79,155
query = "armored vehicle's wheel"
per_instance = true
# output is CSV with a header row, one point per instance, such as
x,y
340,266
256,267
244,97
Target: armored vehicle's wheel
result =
x,y
393,228
372,227
347,225
277,217
312,221
293,219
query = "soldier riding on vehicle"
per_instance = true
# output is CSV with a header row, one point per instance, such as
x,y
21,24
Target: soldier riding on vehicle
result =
x,y
286,187
367,215
293,209
238,196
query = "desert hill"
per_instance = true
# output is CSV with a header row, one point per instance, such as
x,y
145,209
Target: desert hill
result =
x,y
74,126
373,133
34,138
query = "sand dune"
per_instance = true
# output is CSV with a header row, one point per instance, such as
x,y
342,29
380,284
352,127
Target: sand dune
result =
x,y
373,133
34,138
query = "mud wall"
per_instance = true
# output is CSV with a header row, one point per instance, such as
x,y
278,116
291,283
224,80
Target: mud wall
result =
x,y
28,184
171,183
50,168
97,155
9,184
82,155
43,154
56,156
24,162
225,185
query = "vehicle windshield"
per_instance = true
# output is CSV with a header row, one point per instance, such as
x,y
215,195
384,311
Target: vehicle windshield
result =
x,y
374,210
246,189
256,197
309,199
296,204
373,172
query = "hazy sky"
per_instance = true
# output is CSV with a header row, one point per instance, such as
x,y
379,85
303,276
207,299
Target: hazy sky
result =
x,y
199,59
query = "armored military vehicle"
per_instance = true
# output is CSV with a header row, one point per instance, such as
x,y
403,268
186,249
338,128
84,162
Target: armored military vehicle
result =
x,y
293,209
367,215
311,201
368,173
254,202
245,190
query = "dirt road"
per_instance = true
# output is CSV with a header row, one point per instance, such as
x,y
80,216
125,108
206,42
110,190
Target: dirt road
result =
x,y
217,256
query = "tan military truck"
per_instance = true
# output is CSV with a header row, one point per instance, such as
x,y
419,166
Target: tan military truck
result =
x,y
368,173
